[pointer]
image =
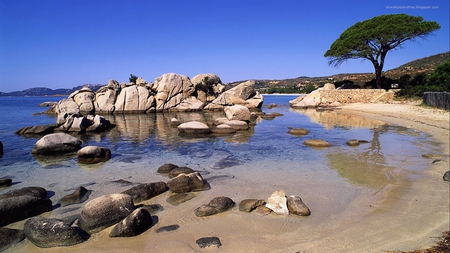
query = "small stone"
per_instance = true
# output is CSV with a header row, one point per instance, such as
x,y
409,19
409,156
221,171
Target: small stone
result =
x,y
298,131
248,205
262,210
168,228
215,206
447,176
353,142
166,168
317,143
208,242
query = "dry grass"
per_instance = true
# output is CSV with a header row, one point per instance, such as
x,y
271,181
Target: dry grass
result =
x,y
443,246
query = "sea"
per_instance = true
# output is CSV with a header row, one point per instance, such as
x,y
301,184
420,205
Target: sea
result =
x,y
248,164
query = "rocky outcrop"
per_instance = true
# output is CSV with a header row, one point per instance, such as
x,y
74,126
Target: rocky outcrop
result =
x,y
93,154
105,211
47,233
134,99
23,203
80,124
56,143
215,206
134,224
171,89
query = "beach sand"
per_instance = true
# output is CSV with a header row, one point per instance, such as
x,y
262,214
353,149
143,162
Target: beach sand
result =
x,y
410,212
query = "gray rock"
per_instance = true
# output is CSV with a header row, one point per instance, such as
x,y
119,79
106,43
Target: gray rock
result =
x,y
93,154
146,191
296,206
19,208
353,142
179,198
171,89
237,124
194,127
166,168
37,130
186,183
248,205
447,176
317,143
237,112
33,191
209,242
56,143
47,233
134,99
168,228
134,224
215,206
9,237
105,211
152,209
263,210
105,98
78,196
180,170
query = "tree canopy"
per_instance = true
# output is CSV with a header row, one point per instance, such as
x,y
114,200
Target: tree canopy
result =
x,y
373,38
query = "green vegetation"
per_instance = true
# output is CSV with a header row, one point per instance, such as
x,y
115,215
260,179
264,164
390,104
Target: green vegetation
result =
x,y
206,86
438,81
133,78
374,38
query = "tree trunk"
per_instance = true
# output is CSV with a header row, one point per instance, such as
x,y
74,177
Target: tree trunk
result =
x,y
378,72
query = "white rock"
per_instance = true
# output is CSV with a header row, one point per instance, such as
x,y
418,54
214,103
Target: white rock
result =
x,y
277,202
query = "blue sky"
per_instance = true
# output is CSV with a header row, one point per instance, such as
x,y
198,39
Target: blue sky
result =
x,y
65,43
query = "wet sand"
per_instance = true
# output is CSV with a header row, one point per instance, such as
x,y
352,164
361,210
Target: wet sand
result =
x,y
407,210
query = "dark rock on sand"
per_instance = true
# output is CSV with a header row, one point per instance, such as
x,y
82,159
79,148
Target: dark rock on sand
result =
x,y
248,205
78,196
166,168
168,228
9,237
47,233
215,206
56,143
93,154
33,191
180,170
105,211
317,143
263,210
5,182
179,198
186,183
146,191
447,176
209,242
296,206
134,224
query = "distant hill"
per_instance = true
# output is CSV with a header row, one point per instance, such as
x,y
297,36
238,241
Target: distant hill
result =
x,y
423,65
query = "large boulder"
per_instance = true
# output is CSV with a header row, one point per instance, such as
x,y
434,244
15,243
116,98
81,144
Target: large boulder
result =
x,y
190,103
171,89
237,95
105,211
194,127
67,106
9,237
134,224
146,191
277,202
80,123
186,183
93,154
134,99
215,206
23,203
56,143
47,233
237,124
105,99
84,99
206,79
237,112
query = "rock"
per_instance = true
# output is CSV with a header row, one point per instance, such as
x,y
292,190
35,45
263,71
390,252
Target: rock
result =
x,y
78,196
194,127
238,125
236,95
171,89
167,228
248,205
317,143
93,154
79,123
105,98
134,224
186,183
105,211
32,191
223,129
255,102
84,99
37,130
56,143
206,79
180,170
329,86
21,207
179,198
299,131
134,99
5,182
174,122
146,191
190,103
237,112
277,202
208,242
67,106
272,105
9,237
215,206
296,206
432,156
1,148
98,123
262,210
447,176
353,142
47,233
166,168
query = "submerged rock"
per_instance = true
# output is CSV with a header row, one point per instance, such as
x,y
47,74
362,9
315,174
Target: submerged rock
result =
x,y
180,170
146,191
353,142
186,183
168,228
317,143
299,131
179,198
215,206
93,154
78,196
5,182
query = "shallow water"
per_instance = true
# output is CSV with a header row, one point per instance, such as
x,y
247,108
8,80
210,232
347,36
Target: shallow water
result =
x,y
248,164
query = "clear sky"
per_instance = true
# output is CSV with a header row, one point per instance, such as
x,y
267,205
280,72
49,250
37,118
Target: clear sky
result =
x,y
66,43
